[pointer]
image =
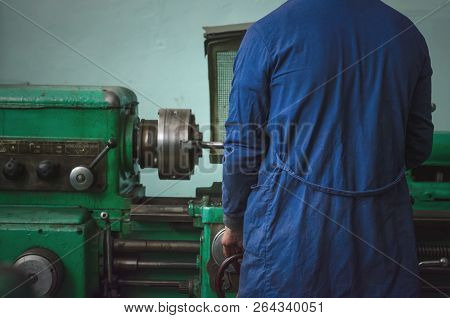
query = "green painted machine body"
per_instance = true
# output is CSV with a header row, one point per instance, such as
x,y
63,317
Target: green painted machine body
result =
x,y
68,222
71,125
65,222
60,113
68,232
430,183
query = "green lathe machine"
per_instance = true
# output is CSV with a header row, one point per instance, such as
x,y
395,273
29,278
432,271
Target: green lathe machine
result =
x,y
73,216
74,220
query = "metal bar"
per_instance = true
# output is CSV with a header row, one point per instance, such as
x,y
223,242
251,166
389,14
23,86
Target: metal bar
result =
x,y
442,262
140,246
157,208
211,145
149,283
108,250
161,217
134,264
185,287
161,213
109,145
434,215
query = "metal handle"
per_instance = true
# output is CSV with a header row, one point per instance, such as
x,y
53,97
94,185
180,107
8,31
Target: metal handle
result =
x,y
111,144
81,178
443,262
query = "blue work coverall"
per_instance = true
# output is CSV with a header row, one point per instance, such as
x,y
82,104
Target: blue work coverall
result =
x,y
330,104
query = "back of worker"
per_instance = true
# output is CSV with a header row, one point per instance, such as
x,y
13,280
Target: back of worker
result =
x,y
337,94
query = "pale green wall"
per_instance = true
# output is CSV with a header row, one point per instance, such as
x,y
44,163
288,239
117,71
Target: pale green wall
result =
x,y
156,48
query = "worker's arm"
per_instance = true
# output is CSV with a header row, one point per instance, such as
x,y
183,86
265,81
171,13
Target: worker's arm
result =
x,y
419,133
244,141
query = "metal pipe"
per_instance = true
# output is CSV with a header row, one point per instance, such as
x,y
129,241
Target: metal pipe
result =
x,y
108,247
134,264
161,213
183,286
161,217
140,246
157,208
211,145
109,257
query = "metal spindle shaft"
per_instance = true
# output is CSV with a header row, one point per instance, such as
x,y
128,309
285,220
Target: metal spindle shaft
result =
x,y
141,246
211,145
134,264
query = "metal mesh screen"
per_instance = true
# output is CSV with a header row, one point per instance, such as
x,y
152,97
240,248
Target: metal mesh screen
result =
x,y
224,67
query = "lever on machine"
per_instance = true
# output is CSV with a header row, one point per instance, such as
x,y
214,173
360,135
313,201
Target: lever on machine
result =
x,y
81,177
443,262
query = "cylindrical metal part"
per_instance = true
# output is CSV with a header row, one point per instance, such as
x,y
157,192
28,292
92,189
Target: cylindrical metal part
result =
x,y
148,139
161,213
171,144
177,156
217,248
134,264
108,253
107,248
150,208
433,250
139,246
161,217
211,145
44,269
185,287
442,262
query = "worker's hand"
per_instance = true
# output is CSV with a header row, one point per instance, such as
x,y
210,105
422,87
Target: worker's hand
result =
x,y
232,242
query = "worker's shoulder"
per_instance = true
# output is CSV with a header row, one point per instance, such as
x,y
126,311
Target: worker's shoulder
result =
x,y
297,17
403,24
275,18
269,27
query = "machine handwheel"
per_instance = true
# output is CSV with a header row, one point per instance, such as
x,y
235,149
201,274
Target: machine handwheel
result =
x,y
232,260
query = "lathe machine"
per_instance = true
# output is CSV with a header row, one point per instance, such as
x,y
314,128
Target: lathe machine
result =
x,y
74,219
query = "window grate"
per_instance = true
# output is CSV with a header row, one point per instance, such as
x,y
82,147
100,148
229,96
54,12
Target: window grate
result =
x,y
221,46
224,65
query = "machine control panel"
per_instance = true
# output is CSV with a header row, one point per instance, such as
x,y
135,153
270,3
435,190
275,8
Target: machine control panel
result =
x,y
69,148
46,165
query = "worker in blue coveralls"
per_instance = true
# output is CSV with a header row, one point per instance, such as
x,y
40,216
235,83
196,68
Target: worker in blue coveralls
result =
x,y
330,104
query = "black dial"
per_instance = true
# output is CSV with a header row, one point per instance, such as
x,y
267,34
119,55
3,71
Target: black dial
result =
x,y
47,170
13,169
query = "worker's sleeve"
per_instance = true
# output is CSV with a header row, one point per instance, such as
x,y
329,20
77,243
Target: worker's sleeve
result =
x,y
419,134
244,140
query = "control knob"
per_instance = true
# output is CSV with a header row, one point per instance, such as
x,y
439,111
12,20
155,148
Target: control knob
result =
x,y
13,169
47,170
